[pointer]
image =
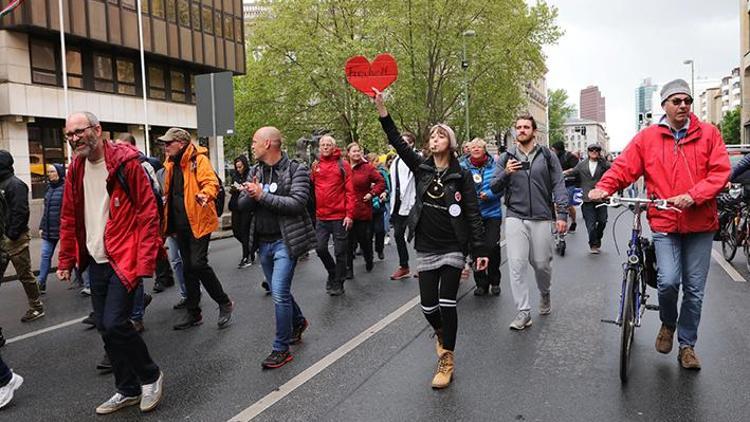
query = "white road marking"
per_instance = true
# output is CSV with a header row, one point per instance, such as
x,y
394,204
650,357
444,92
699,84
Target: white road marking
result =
x,y
730,270
306,375
273,397
45,330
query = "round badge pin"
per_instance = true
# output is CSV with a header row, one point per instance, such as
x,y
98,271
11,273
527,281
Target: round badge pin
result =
x,y
477,178
454,210
273,187
457,196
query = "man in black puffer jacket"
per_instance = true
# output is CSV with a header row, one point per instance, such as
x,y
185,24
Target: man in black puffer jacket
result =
x,y
276,192
16,237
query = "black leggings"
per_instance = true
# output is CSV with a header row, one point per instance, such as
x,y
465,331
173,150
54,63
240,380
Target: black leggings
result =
x,y
438,290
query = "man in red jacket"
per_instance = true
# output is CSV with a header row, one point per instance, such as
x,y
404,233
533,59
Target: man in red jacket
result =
x,y
110,224
334,210
684,161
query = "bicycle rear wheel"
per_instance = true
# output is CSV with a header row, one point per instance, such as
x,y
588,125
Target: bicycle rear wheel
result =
x,y
729,240
627,326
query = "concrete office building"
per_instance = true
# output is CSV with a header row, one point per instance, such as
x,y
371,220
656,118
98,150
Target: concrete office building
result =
x,y
580,133
182,38
709,106
593,105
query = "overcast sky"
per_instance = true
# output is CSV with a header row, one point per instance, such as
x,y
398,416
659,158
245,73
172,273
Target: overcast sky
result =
x,y
615,44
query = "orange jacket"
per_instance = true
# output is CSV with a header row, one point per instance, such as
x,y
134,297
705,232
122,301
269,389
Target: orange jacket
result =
x,y
199,177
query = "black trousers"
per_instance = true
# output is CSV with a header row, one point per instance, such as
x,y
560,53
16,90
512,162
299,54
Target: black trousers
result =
x,y
377,225
399,234
361,234
195,266
323,231
437,291
596,221
241,230
492,275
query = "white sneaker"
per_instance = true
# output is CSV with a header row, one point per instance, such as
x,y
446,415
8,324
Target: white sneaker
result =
x,y
115,403
85,291
521,321
152,394
6,391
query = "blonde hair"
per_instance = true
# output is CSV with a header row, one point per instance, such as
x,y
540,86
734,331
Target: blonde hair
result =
x,y
478,142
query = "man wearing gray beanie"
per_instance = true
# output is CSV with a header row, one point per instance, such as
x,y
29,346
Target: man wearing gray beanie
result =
x,y
684,161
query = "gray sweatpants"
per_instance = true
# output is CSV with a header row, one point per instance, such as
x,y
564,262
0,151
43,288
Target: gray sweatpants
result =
x,y
528,242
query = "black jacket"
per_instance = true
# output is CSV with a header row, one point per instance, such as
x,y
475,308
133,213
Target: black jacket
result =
x,y
16,195
240,178
50,223
289,202
459,190
581,171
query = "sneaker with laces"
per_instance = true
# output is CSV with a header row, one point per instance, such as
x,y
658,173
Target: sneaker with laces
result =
x,y
244,263
297,332
6,391
688,359
276,359
400,273
225,314
85,291
545,304
32,314
151,394
117,402
521,321
188,321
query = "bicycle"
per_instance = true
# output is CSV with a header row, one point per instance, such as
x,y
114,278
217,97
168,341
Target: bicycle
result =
x,y
638,272
731,210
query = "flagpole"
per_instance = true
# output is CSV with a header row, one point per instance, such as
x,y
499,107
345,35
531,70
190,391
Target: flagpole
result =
x,y
64,61
143,78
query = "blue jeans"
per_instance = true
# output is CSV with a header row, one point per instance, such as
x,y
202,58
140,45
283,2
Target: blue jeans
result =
x,y
48,249
139,307
682,259
278,267
5,374
113,303
175,259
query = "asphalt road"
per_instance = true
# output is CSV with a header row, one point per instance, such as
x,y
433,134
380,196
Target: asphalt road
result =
x,y
563,368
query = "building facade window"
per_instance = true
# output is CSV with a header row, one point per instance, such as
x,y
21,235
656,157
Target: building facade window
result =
x,y
183,13
172,11
157,87
178,86
74,68
126,77
217,23
128,4
195,14
104,78
228,27
208,20
157,8
43,67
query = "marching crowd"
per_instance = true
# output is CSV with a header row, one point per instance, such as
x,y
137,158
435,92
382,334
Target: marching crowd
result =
x,y
119,217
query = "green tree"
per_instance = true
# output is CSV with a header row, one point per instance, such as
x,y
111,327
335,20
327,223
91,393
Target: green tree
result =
x,y
730,127
559,111
295,73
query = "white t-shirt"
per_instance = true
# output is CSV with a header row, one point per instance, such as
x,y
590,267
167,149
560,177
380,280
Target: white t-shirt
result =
x,y
96,211
592,167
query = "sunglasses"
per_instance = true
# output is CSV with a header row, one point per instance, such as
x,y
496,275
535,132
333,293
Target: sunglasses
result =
x,y
595,150
678,101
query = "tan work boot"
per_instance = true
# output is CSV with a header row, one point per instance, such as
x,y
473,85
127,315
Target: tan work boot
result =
x,y
688,359
438,334
664,339
444,374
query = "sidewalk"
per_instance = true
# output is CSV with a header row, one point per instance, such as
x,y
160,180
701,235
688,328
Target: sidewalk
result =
x,y
35,250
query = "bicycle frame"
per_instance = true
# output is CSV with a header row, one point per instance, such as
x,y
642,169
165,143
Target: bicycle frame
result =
x,y
634,262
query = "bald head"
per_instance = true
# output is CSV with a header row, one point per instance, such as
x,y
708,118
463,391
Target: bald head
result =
x,y
266,145
269,133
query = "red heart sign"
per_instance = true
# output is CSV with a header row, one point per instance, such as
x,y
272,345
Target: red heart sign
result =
x,y
364,76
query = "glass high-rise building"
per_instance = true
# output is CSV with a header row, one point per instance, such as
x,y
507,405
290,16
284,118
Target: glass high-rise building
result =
x,y
644,100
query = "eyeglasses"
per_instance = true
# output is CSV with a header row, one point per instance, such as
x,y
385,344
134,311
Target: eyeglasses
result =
x,y
678,101
70,136
595,150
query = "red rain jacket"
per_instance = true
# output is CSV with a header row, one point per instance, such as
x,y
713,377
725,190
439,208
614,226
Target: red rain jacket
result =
x,y
698,165
366,179
334,193
131,236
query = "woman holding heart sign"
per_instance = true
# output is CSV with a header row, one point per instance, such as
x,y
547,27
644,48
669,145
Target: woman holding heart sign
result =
x,y
446,225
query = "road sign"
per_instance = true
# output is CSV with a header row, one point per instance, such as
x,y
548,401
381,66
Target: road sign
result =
x,y
215,99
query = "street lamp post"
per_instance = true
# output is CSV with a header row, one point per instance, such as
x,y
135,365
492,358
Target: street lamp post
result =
x,y
465,67
692,74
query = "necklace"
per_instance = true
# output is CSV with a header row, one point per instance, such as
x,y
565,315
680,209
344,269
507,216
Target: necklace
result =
x,y
436,189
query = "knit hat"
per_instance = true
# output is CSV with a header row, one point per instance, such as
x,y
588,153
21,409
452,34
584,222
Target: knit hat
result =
x,y
677,86
451,134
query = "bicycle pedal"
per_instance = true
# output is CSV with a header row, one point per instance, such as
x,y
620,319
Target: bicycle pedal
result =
x,y
652,307
610,321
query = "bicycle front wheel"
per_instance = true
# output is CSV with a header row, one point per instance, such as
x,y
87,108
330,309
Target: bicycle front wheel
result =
x,y
729,240
628,322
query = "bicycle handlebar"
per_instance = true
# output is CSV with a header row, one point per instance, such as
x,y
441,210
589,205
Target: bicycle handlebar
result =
x,y
660,204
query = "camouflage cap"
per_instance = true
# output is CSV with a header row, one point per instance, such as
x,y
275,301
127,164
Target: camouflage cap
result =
x,y
175,134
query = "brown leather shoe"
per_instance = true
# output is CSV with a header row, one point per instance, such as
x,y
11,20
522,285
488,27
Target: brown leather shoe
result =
x,y
664,339
400,273
688,359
